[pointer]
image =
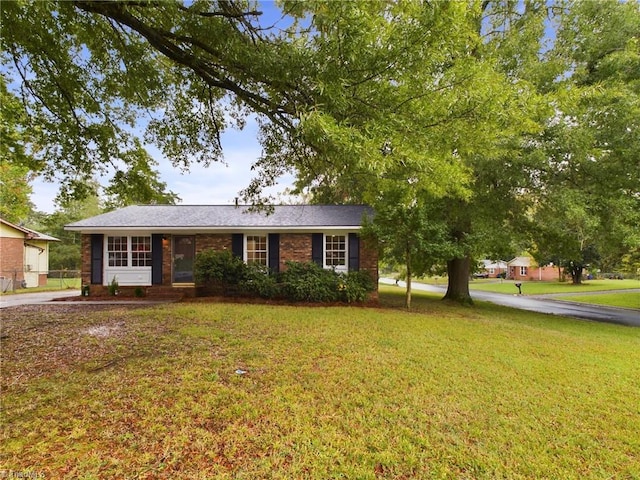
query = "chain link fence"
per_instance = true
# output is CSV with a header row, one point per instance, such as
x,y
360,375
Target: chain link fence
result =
x,y
49,280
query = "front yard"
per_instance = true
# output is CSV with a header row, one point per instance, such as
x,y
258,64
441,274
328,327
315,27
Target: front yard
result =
x,y
198,390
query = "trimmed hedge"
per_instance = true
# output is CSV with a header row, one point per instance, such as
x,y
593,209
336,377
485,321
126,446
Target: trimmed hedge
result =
x,y
223,273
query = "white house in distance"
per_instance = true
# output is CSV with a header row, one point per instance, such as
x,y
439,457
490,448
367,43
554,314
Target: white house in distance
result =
x,y
492,268
24,256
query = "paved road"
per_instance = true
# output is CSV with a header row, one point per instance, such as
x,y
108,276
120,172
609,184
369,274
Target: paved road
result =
x,y
622,316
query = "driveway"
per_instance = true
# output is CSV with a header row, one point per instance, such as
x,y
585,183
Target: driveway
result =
x,y
621,316
45,297
34,298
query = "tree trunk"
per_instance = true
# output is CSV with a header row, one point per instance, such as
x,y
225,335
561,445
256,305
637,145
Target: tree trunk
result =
x,y
576,274
407,302
458,270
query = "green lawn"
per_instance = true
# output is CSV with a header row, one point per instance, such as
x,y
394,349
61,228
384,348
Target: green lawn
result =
x,y
329,392
543,288
52,285
619,299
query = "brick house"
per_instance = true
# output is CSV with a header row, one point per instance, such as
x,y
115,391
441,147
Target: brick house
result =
x,y
154,246
24,256
524,268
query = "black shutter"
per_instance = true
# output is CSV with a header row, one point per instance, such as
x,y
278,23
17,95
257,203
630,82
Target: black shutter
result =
x,y
274,252
354,252
237,244
317,248
156,259
97,255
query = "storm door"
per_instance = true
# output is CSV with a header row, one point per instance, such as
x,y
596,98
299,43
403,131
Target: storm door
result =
x,y
183,256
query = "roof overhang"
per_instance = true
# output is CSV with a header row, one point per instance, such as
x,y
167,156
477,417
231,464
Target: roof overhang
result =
x,y
205,230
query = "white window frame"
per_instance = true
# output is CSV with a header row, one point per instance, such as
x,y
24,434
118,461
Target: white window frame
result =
x,y
266,249
128,275
523,271
337,268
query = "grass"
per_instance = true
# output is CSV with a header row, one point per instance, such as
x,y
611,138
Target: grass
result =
x,y
619,299
329,392
545,288
53,284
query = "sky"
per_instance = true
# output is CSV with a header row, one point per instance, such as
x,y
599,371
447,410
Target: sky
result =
x,y
217,184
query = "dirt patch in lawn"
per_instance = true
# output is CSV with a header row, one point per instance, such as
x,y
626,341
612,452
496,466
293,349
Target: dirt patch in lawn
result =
x,y
42,340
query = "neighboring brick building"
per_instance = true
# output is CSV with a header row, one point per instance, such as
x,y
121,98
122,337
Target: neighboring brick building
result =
x,y
155,245
24,256
524,268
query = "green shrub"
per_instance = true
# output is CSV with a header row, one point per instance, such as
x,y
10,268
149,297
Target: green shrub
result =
x,y
258,281
218,267
222,273
308,282
138,292
113,286
355,286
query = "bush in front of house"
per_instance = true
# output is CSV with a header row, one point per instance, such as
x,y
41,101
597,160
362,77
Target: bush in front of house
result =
x,y
257,281
356,286
308,282
220,272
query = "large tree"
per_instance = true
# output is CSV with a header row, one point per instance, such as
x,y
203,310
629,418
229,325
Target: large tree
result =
x,y
588,207
453,133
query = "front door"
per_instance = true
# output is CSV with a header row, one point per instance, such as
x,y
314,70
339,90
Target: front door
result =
x,y
184,250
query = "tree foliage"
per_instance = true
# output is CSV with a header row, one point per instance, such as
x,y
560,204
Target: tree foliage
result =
x,y
457,117
139,185
15,205
589,207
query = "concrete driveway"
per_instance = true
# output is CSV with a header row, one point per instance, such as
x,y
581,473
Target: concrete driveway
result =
x,y
46,297
34,298
621,316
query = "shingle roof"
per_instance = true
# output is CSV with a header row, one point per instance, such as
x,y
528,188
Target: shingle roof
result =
x,y
30,234
216,217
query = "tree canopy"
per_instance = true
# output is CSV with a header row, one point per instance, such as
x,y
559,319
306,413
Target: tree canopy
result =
x,y
460,113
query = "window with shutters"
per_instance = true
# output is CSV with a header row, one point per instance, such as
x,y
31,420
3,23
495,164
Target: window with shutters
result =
x,y
335,252
256,249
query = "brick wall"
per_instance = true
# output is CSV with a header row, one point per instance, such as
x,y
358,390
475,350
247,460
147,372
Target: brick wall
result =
x,y
294,247
216,241
166,260
12,258
369,258
86,259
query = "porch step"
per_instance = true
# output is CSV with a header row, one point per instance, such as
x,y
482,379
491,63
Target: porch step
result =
x,y
168,293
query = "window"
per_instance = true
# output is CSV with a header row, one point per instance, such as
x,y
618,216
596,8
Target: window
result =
x,y
335,250
140,251
129,251
523,271
256,249
492,271
117,251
